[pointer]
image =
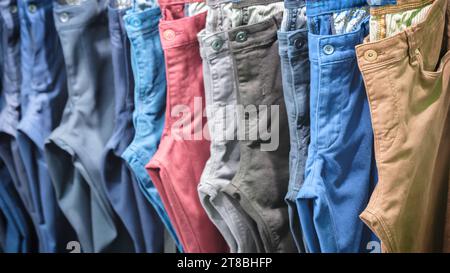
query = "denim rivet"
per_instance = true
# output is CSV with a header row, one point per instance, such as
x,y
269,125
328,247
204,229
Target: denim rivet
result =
x,y
13,9
298,43
241,36
32,8
136,22
328,49
370,55
64,17
217,44
169,34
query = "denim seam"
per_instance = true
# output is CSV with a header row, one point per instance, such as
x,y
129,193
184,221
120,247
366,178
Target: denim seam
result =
x,y
179,205
297,136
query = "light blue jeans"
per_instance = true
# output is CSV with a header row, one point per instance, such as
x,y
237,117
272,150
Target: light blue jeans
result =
x,y
147,59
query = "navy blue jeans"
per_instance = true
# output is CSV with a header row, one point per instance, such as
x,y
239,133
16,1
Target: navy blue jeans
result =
x,y
43,95
20,235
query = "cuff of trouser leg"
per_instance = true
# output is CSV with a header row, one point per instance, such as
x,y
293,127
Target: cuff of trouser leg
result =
x,y
182,31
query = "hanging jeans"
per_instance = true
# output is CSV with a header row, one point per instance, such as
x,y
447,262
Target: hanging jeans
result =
x,y
10,112
138,216
233,222
147,60
407,78
293,49
43,95
177,166
9,116
74,149
340,170
261,182
19,237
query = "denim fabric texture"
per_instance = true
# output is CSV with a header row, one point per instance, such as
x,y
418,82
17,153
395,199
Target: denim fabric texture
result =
x,y
340,170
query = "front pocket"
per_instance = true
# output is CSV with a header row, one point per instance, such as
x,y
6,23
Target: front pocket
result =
x,y
384,102
336,82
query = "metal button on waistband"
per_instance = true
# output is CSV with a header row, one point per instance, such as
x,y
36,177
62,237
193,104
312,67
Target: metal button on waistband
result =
x,y
328,49
136,22
370,55
241,36
298,43
217,44
64,17
169,34
13,9
32,8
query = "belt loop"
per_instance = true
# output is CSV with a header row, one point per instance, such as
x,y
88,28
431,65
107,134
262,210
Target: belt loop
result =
x,y
412,46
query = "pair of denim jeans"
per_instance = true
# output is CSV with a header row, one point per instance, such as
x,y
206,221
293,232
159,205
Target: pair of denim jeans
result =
x,y
340,170
237,227
20,235
147,61
261,181
42,97
74,149
176,167
123,189
293,50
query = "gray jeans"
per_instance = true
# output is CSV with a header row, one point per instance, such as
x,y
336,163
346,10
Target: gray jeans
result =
x,y
261,181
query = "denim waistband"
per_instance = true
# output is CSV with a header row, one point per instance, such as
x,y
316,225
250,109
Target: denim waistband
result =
x,y
74,16
256,35
406,43
292,4
319,7
291,41
375,3
213,44
182,31
331,48
138,22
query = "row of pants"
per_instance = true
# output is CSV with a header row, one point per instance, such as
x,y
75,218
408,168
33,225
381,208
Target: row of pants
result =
x,y
104,140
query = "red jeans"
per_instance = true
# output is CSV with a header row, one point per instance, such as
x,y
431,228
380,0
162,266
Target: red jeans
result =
x,y
178,164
